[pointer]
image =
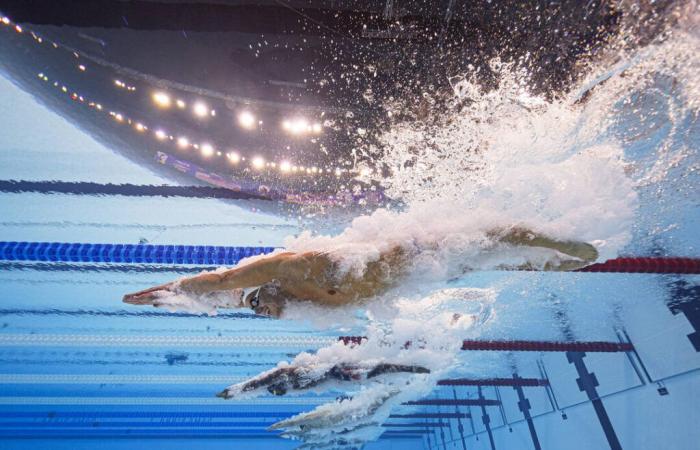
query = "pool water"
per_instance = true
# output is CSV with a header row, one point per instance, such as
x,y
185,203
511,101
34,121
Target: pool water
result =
x,y
78,368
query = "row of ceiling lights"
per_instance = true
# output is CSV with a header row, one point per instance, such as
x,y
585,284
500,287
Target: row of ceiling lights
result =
x,y
246,119
206,149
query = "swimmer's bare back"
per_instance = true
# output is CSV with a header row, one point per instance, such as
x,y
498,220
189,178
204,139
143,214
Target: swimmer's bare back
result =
x,y
315,276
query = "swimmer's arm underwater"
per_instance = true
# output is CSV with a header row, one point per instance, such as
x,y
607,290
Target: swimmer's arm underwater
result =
x,y
247,275
308,276
582,253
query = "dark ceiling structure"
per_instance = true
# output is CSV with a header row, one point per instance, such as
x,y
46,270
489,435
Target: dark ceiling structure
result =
x,y
278,98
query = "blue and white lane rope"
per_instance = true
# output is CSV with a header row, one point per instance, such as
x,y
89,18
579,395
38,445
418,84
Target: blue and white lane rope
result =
x,y
126,253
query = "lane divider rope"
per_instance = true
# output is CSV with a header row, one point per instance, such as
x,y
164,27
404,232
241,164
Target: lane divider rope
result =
x,y
525,346
302,342
126,253
226,256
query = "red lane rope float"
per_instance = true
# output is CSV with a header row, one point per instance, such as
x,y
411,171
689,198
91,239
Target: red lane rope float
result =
x,y
493,382
416,425
647,265
548,346
448,402
527,346
431,416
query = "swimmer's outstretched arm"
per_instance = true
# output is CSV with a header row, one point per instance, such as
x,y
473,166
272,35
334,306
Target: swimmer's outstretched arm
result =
x,y
247,275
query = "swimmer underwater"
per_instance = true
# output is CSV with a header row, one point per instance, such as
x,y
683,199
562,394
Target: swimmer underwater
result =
x,y
270,282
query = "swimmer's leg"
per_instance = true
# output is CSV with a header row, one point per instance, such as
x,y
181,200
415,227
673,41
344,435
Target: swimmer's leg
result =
x,y
381,369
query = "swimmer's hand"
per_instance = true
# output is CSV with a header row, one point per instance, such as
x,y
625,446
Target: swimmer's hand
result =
x,y
148,296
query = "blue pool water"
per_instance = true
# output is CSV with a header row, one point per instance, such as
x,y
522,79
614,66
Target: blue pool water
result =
x,y
80,369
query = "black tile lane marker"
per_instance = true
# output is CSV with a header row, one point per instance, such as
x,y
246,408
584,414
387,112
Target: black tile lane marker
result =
x,y
486,418
685,298
460,427
524,407
587,382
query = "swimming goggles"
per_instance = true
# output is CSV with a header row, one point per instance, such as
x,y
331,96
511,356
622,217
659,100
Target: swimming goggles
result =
x,y
255,299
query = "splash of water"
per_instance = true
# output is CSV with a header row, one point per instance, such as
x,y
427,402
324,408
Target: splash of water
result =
x,y
569,168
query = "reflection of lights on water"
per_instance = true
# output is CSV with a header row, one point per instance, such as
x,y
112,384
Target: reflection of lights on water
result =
x,y
285,166
161,99
233,157
207,150
258,162
183,142
161,135
338,171
246,119
316,128
200,109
